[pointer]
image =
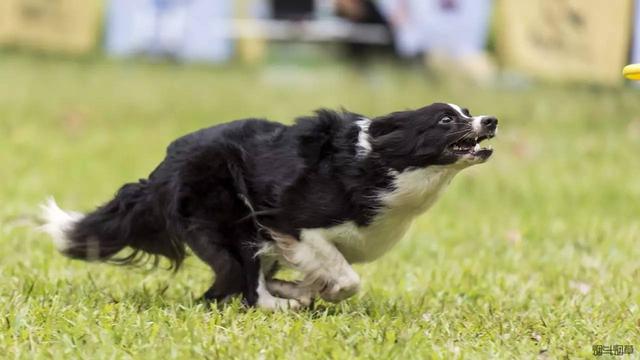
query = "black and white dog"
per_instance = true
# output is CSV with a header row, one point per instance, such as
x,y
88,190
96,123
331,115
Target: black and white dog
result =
x,y
247,196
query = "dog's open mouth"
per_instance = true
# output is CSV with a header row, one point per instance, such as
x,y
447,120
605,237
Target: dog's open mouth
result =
x,y
471,146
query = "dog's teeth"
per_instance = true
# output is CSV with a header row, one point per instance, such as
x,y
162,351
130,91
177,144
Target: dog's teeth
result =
x,y
476,148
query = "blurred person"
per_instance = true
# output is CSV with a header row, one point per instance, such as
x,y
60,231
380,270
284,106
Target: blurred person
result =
x,y
182,30
363,12
292,9
449,34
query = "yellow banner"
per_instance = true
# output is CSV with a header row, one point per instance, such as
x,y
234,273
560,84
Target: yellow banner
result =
x,y
570,40
70,26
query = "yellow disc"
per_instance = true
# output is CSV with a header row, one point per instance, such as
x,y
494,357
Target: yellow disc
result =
x,y
632,71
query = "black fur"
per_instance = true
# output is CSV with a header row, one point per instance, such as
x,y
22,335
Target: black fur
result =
x,y
218,186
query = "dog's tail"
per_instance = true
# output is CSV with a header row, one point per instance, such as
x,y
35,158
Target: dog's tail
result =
x,y
132,219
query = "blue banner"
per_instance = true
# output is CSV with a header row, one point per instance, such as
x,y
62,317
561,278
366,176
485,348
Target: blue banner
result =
x,y
455,28
190,30
635,53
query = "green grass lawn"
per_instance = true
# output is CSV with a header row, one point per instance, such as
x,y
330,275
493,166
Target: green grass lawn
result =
x,y
534,254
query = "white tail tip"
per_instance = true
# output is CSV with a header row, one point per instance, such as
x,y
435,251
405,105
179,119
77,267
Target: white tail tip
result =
x,y
57,222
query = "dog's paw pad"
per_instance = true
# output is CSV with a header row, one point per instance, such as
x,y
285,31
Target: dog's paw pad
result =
x,y
340,291
305,301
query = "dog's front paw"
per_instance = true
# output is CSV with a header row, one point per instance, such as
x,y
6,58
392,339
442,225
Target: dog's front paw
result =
x,y
344,287
291,290
275,304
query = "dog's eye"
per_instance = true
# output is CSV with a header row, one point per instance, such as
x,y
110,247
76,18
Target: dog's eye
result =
x,y
446,120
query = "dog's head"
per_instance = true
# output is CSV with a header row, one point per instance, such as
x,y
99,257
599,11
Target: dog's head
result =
x,y
438,134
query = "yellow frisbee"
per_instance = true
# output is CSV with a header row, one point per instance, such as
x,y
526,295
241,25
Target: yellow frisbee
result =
x,y
632,71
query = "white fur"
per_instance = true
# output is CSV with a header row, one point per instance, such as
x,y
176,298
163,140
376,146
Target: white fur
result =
x,y
291,290
324,268
270,302
415,191
476,121
57,222
458,109
364,145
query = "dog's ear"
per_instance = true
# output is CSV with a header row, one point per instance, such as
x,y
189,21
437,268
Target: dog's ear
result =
x,y
383,126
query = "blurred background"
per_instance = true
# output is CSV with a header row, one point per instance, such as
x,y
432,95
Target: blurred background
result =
x,y
482,40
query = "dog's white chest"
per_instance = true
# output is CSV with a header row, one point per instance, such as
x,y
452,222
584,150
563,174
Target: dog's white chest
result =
x,y
363,244
415,191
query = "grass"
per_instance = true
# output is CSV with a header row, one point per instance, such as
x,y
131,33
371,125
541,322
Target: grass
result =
x,y
534,254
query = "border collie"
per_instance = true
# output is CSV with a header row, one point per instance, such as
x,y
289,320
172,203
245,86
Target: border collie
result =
x,y
248,196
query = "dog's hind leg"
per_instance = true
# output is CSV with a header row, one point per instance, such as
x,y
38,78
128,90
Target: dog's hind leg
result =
x,y
229,279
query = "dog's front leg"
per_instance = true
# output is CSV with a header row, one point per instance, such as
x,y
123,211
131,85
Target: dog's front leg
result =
x,y
325,270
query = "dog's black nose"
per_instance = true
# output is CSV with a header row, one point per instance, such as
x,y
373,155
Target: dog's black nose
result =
x,y
489,122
